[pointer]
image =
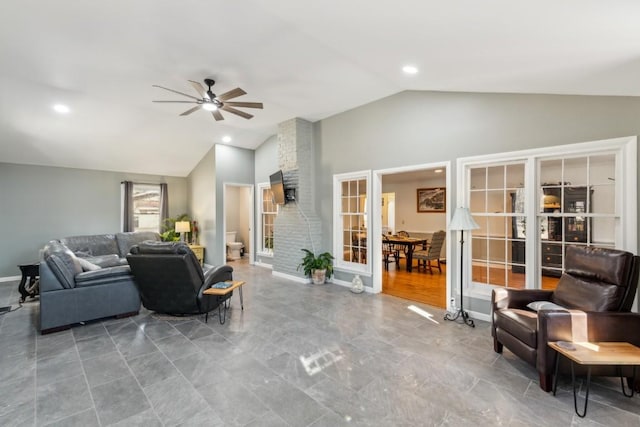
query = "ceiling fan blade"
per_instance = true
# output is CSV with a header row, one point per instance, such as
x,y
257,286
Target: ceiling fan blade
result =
x,y
236,112
191,110
199,88
245,104
216,115
233,93
182,102
179,93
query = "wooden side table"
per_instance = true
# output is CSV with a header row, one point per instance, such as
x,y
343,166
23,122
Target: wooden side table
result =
x,y
594,354
224,291
198,251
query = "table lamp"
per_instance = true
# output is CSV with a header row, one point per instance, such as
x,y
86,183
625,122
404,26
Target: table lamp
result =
x,y
183,227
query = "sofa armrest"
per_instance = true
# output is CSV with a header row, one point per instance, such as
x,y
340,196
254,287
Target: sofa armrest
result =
x,y
575,325
517,298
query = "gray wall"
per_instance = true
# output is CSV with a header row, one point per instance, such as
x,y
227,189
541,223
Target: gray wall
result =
x,y
201,184
412,128
232,165
41,203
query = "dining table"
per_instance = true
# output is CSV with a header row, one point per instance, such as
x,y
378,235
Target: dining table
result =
x,y
410,244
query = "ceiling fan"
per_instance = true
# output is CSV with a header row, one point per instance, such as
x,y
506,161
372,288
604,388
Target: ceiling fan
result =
x,y
214,103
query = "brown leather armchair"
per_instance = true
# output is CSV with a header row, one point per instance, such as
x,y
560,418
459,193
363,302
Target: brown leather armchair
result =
x,y
595,293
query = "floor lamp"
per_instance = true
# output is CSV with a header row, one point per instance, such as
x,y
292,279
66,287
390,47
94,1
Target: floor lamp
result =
x,y
462,221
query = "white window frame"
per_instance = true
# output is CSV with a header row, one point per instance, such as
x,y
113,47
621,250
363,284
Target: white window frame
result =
x,y
261,252
139,184
338,244
626,237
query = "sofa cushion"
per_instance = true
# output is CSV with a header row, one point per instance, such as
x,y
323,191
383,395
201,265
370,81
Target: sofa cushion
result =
x,y
87,266
103,275
105,261
63,263
127,240
99,244
522,324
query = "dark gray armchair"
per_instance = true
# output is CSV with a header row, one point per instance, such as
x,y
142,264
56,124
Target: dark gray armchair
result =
x,y
170,279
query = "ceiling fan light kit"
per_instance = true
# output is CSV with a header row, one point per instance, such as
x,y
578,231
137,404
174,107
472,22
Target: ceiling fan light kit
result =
x,y
213,103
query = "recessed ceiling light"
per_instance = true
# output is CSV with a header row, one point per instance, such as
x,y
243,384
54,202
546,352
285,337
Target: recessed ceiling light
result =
x,y
438,171
226,138
60,108
410,69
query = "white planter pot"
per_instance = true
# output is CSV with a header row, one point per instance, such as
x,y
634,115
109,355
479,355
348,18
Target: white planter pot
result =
x,y
318,276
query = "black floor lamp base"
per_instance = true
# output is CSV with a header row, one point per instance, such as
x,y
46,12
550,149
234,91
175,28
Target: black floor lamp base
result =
x,y
462,315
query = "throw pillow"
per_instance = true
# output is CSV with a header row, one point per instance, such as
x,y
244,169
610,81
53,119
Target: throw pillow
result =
x,y
544,305
87,266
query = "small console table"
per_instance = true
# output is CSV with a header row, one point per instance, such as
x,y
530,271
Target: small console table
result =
x,y
594,354
198,251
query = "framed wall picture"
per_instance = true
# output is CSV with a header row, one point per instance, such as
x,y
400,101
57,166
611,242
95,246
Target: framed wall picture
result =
x,y
431,199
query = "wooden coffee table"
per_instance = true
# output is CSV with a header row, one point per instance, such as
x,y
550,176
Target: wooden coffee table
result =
x,y
224,291
595,354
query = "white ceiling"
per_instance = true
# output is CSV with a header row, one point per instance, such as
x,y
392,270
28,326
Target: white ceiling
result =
x,y
300,58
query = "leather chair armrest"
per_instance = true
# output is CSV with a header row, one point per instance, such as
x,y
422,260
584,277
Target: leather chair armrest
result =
x,y
517,298
217,274
211,277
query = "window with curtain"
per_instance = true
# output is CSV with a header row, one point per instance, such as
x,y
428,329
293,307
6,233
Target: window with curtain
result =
x,y
267,217
352,243
144,206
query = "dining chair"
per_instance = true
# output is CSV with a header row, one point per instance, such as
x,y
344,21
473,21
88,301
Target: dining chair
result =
x,y
389,250
403,233
358,248
432,253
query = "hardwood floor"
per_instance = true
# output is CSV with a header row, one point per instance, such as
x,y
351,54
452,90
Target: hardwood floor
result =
x,y
417,286
515,280
431,289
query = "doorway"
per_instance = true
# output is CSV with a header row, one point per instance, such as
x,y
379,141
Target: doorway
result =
x,y
396,195
238,222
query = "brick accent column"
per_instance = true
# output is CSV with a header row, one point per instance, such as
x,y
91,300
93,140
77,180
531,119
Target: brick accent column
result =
x,y
297,226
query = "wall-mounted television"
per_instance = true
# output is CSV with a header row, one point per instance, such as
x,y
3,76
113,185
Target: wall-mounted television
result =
x,y
277,188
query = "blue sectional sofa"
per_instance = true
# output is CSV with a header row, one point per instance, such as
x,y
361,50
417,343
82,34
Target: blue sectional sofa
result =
x,y
84,278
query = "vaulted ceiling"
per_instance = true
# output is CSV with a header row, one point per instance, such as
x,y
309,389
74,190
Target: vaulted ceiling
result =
x,y
300,58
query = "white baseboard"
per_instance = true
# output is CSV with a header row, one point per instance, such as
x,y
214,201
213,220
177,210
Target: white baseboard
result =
x,y
297,279
479,316
263,265
346,284
10,278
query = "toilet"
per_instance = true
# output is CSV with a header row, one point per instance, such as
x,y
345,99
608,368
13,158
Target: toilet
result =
x,y
233,248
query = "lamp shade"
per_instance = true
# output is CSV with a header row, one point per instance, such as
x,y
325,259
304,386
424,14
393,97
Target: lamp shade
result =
x,y
183,227
462,220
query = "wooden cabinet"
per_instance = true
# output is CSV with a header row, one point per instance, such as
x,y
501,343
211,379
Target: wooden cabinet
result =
x,y
567,227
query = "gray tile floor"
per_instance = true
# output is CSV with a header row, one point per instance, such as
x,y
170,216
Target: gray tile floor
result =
x,y
298,355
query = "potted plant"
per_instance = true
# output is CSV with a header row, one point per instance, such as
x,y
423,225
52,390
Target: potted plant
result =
x,y
318,268
169,228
